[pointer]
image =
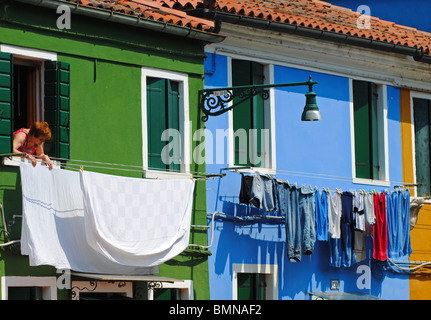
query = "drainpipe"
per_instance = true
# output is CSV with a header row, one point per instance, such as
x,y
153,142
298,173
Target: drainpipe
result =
x,y
116,17
326,35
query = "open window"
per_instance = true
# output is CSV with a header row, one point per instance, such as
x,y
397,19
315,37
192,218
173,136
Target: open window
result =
x,y
33,88
369,123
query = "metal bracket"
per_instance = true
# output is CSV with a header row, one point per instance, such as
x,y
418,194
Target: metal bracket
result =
x,y
216,101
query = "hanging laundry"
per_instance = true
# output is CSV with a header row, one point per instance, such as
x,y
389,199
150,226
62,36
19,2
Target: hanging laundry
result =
x,y
307,215
347,228
321,199
380,230
370,217
137,222
288,199
358,211
298,206
398,222
56,228
334,215
262,194
245,191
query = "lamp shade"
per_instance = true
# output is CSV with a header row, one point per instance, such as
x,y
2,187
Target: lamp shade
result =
x,y
311,111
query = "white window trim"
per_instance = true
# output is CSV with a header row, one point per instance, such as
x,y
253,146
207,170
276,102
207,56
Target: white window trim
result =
x,y
383,152
185,287
29,52
420,95
271,278
269,123
33,54
48,284
185,126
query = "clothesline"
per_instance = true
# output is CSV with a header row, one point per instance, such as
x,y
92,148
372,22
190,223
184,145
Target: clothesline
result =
x,y
343,219
136,168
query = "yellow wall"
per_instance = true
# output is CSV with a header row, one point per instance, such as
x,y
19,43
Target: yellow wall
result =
x,y
420,282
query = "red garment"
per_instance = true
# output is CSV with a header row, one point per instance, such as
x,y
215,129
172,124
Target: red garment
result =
x,y
24,147
380,230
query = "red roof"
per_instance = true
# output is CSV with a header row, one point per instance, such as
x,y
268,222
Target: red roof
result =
x,y
313,14
151,10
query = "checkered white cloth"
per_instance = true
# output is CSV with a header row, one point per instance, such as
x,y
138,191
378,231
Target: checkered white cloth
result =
x,y
100,223
137,221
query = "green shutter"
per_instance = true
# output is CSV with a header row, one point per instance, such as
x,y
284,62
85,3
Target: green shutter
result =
x,y
156,121
6,102
422,120
57,108
173,122
258,121
374,138
242,116
248,115
162,114
362,129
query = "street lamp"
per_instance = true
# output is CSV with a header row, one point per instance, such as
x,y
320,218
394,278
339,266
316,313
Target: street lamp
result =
x,y
213,102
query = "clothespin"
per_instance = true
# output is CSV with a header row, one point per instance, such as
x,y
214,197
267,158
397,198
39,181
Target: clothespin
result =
x,y
328,190
81,168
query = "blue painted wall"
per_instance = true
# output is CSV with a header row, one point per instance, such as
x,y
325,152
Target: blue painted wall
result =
x,y
310,153
412,13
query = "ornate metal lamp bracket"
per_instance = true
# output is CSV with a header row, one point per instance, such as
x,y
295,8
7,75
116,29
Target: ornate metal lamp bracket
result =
x,y
214,102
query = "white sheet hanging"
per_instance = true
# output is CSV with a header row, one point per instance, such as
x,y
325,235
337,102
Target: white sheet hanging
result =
x,y
139,222
55,228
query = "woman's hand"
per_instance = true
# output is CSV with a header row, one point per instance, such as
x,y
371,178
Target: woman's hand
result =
x,y
47,161
32,159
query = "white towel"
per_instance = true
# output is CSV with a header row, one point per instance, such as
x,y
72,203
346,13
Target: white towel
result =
x,y
55,225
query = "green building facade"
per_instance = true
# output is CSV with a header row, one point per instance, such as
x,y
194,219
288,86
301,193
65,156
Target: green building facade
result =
x,y
91,81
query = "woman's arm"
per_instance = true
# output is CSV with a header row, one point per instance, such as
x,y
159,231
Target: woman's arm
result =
x,y
41,154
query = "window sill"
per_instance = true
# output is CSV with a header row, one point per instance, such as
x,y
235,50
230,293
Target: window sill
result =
x,y
15,161
381,183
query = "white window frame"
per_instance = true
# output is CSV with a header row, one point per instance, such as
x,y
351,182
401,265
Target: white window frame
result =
x,y
420,95
269,109
31,54
184,122
185,287
271,278
48,285
382,107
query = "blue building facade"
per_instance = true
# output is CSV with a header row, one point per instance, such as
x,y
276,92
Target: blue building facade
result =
x,y
316,154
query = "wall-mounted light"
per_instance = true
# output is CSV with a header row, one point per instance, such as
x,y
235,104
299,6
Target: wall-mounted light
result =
x,y
213,102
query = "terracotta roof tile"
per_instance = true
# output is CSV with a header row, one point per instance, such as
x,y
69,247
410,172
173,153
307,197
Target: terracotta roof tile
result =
x,y
151,10
313,14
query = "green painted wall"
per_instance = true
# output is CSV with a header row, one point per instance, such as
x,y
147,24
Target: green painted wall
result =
x,y
105,111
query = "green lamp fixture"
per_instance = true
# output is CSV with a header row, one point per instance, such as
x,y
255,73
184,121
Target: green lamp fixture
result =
x,y
311,111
